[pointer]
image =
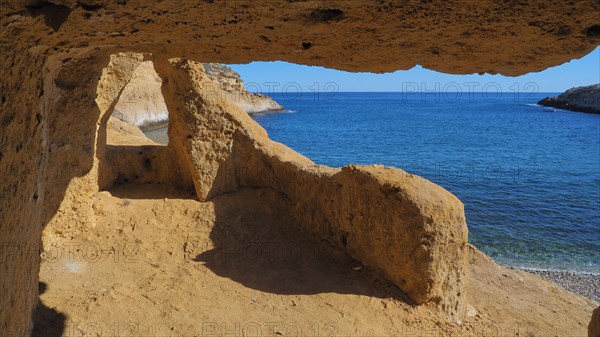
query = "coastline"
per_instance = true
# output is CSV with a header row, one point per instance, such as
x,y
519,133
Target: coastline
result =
x,y
557,103
586,284
154,125
268,111
165,123
581,99
583,283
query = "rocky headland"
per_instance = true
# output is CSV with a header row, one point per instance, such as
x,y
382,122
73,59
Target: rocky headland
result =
x,y
235,91
582,99
583,283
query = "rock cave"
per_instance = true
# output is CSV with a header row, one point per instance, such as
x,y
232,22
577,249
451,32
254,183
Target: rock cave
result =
x,y
65,64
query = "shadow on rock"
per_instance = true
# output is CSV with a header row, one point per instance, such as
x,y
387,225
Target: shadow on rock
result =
x,y
47,322
256,245
134,191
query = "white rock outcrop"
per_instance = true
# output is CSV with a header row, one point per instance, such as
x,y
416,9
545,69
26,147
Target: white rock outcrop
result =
x,y
143,105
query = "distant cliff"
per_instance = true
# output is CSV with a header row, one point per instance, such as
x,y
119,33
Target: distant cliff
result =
x,y
142,103
232,85
583,99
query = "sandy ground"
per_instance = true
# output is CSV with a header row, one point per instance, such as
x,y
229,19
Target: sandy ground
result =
x,y
159,263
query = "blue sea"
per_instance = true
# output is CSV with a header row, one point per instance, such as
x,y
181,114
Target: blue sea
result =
x,y
529,176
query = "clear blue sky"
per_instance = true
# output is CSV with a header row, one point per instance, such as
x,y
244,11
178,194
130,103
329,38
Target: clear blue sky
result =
x,y
274,76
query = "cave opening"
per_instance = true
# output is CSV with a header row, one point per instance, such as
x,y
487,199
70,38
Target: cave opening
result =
x,y
141,104
53,51
133,140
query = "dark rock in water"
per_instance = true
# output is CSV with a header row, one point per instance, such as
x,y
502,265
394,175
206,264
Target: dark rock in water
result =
x,y
583,99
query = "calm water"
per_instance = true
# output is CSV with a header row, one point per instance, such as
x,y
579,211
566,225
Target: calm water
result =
x,y
529,177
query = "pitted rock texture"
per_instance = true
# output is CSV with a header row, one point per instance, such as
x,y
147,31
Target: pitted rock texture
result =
x,y
232,265
408,229
378,36
53,54
594,327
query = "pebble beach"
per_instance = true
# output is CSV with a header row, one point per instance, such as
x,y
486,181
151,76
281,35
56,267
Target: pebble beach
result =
x,y
584,284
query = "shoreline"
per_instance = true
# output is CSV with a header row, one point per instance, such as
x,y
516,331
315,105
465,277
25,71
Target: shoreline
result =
x,y
270,111
583,283
152,126
586,284
581,99
557,103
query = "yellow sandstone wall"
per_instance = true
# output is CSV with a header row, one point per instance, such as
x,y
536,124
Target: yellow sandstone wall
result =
x,y
54,96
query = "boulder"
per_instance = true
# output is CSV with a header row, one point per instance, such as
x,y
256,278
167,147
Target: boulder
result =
x,y
406,228
594,327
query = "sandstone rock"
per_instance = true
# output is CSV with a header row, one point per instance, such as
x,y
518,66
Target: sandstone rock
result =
x,y
54,53
583,99
120,133
594,327
236,92
187,265
408,229
141,102
471,311
355,36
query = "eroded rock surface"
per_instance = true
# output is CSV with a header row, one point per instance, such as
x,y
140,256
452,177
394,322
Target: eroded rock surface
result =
x,y
53,54
141,103
234,264
408,229
236,92
594,327
455,37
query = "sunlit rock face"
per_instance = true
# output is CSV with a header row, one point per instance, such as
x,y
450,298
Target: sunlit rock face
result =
x,y
141,103
233,88
52,114
594,327
406,228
